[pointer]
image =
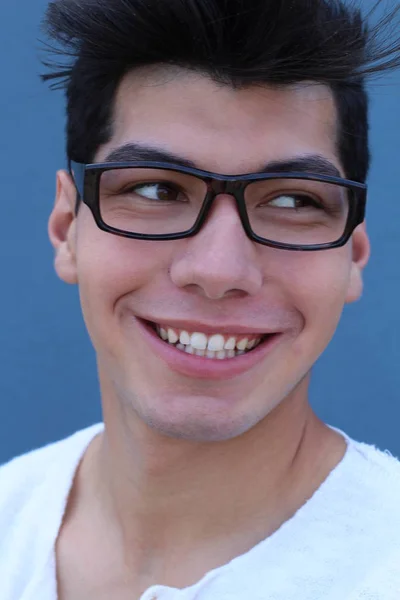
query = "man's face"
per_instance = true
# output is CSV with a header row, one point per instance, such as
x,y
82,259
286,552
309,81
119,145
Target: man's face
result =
x,y
217,282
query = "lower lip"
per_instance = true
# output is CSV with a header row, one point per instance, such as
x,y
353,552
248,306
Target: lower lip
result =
x,y
206,368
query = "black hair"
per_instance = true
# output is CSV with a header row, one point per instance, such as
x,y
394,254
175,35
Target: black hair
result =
x,y
236,42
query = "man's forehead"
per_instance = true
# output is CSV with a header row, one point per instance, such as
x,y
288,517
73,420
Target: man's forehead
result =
x,y
192,116
155,80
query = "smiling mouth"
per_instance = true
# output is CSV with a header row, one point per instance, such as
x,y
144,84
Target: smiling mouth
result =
x,y
216,346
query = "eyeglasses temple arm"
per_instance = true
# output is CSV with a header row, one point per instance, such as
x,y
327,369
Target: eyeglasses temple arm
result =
x,y
77,172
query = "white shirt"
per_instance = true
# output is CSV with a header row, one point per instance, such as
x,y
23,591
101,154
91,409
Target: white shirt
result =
x,y
343,544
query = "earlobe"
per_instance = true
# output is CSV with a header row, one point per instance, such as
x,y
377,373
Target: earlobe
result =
x,y
360,256
62,224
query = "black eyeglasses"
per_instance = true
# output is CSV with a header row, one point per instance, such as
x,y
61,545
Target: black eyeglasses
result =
x,y
162,201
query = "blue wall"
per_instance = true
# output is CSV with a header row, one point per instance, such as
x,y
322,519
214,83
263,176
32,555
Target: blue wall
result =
x,y
48,385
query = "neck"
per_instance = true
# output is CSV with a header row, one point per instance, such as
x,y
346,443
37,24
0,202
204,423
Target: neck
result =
x,y
163,494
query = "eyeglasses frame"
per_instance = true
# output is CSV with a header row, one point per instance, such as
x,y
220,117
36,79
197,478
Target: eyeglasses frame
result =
x,y
87,181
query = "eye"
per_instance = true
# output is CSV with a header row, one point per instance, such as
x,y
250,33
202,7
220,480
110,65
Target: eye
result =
x,y
293,201
161,192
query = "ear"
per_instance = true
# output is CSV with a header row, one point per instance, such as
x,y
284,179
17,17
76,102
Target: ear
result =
x,y
360,256
62,228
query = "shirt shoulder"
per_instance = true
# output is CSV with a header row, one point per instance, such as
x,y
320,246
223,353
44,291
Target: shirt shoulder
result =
x,y
21,476
34,489
365,492
377,471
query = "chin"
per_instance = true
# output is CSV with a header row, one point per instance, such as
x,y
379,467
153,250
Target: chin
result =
x,y
199,424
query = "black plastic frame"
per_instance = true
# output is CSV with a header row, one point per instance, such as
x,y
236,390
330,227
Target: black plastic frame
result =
x,y
87,181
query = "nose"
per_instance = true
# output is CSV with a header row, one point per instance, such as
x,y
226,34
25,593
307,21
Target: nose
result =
x,y
220,260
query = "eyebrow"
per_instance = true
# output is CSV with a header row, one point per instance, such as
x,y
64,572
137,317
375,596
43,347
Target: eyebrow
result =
x,y
313,163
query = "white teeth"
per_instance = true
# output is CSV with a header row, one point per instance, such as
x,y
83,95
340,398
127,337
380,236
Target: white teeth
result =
x,y
216,343
172,336
242,344
230,344
184,338
215,346
198,341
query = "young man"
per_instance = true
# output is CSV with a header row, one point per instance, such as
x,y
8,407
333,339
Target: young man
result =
x,y
213,217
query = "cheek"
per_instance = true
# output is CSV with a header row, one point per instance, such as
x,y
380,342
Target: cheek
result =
x,y
317,284
110,267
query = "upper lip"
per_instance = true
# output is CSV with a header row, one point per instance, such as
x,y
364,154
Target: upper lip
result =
x,y
210,328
